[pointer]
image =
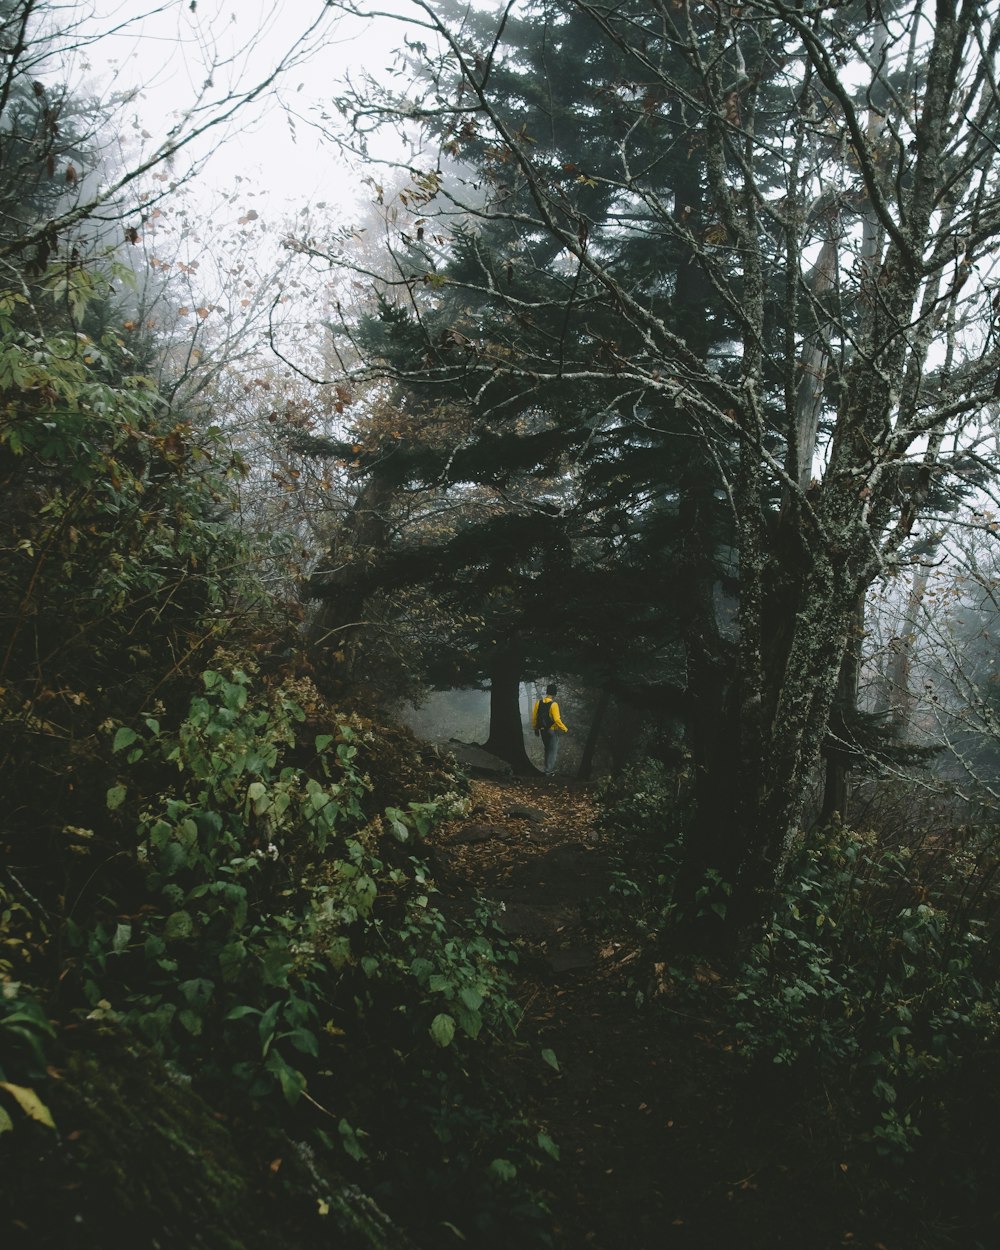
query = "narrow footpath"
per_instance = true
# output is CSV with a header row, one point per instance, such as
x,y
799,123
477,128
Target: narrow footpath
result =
x,y
662,1139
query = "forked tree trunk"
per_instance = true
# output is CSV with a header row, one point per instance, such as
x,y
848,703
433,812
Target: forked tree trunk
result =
x,y
785,721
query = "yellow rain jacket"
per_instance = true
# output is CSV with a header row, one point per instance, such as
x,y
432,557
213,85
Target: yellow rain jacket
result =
x,y
556,721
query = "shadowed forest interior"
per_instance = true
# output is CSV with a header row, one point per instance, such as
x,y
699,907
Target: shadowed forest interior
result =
x,y
643,358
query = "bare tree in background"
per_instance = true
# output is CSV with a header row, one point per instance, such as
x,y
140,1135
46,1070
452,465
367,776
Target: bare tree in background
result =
x,y
81,159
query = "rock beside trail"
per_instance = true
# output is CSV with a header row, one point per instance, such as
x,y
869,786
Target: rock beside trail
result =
x,y
472,757
469,834
521,811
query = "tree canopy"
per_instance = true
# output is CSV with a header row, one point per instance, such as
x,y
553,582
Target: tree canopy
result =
x,y
748,251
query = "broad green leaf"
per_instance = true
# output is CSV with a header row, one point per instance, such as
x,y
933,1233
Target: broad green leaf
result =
x,y
179,925
349,1138
471,997
238,1013
266,1028
191,1021
197,992
339,952
123,738
6,1123
470,1021
115,797
187,833
172,858
290,1079
443,1029
305,1041
550,1058
399,831
503,1169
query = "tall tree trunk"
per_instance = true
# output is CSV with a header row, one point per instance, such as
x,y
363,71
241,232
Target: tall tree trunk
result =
x,y
900,693
593,735
506,738
839,747
845,699
784,723
709,843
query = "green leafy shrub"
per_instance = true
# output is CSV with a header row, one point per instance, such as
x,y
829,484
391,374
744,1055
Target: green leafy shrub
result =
x,y
645,811
641,800
125,569
284,942
862,973
25,1031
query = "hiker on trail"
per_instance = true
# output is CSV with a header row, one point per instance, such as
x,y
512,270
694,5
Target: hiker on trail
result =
x,y
546,723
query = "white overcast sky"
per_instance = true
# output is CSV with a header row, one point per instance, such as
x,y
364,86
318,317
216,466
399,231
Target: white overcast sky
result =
x,y
165,51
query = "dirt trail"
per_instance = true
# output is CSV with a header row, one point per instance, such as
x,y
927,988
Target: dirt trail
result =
x,y
661,1143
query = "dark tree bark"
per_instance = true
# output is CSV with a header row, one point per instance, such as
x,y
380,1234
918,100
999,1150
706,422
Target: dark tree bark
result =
x,y
506,739
593,735
840,748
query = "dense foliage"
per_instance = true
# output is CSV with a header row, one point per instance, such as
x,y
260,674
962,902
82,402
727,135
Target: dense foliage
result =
x,y
212,877
595,404
872,997
200,857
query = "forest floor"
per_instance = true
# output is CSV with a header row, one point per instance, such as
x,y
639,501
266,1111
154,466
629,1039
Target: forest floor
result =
x,y
666,1139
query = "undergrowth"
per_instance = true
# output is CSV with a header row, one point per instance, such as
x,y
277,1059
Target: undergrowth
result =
x,y
268,934
875,979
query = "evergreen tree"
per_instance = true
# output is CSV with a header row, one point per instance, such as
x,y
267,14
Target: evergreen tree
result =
x,y
630,455
846,168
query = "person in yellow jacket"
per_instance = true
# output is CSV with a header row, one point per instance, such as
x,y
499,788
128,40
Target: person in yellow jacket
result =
x,y
547,724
